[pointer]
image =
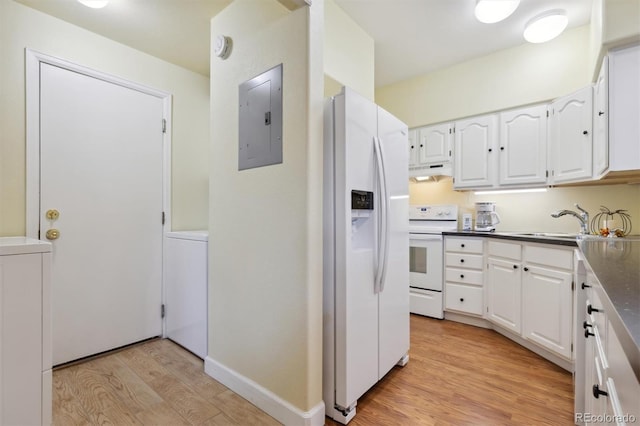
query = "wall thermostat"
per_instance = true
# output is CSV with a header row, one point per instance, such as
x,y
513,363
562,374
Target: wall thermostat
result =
x,y
222,46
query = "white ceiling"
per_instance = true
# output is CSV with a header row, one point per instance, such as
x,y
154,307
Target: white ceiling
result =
x,y
412,37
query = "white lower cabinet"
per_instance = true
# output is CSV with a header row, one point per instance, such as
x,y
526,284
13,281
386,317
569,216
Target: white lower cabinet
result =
x,y
25,332
529,292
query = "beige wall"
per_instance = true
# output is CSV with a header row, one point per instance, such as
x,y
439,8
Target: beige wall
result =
x,y
521,75
265,282
530,212
22,27
348,52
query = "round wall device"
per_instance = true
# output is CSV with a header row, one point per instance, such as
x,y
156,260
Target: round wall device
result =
x,y
222,46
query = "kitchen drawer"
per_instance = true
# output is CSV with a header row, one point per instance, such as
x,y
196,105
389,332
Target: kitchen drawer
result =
x,y
465,276
463,298
462,260
557,258
464,245
505,250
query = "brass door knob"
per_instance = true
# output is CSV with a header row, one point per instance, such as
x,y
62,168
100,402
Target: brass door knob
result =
x,y
53,234
52,214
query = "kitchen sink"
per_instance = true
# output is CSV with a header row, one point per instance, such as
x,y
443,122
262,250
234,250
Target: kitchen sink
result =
x,y
550,235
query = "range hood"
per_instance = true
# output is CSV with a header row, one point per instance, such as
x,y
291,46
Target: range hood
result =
x,y
431,170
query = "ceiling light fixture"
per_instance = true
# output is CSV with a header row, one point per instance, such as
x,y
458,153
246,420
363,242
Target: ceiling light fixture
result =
x,y
94,4
492,11
546,26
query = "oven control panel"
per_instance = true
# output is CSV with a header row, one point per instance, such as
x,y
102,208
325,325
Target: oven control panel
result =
x,y
433,212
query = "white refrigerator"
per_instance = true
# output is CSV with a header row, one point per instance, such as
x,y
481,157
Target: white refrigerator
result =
x,y
366,249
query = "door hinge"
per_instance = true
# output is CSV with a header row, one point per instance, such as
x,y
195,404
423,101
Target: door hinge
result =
x,y
38,233
547,113
572,347
163,218
164,126
573,285
449,153
547,173
162,311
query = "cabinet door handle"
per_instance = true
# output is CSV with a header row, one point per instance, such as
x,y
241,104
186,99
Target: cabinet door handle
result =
x,y
585,325
600,112
421,145
585,132
412,146
526,269
502,148
583,286
515,266
461,275
490,150
462,299
587,333
597,392
591,309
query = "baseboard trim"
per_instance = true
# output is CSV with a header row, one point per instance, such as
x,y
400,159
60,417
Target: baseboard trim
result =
x,y
263,398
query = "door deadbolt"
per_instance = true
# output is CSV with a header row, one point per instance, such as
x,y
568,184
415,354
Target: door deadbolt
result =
x,y
53,214
53,234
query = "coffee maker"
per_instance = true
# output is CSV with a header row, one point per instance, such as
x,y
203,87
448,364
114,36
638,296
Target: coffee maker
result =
x,y
486,216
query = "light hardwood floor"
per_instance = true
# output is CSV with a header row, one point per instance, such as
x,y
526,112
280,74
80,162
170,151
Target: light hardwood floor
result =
x,y
457,375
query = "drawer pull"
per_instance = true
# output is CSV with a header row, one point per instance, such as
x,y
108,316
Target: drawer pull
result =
x,y
526,269
583,286
587,333
462,299
461,275
597,392
515,266
586,324
461,260
591,309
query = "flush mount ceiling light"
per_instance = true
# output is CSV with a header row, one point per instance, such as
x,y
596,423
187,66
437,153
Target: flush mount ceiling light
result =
x,y
546,26
94,4
492,11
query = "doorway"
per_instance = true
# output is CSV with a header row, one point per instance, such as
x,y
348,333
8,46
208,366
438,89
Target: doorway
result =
x,y
97,162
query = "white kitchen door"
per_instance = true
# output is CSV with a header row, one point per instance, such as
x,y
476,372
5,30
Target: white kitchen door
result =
x,y
101,169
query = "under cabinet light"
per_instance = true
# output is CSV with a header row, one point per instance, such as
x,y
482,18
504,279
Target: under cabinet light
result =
x,y
511,191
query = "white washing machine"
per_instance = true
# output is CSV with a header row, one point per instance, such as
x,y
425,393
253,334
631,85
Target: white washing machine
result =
x,y
185,286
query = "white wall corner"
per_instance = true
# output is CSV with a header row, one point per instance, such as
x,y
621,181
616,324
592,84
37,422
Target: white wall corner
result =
x,y
295,4
267,401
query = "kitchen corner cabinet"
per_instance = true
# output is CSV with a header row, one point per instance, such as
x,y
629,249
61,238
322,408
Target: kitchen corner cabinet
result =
x,y
523,146
464,259
25,332
570,137
529,292
547,298
431,148
475,159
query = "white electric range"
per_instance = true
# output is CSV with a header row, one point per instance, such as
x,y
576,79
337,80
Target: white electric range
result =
x,y
426,225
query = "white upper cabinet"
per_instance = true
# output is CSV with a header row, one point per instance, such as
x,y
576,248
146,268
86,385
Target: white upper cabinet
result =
x,y
413,150
432,150
571,137
474,151
523,146
624,109
601,121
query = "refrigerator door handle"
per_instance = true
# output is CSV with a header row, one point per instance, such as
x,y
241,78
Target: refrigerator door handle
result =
x,y
383,219
386,218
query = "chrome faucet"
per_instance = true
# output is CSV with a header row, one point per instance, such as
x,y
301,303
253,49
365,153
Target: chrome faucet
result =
x,y
583,217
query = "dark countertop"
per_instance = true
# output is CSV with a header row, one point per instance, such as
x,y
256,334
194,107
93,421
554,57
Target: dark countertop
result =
x,y
616,264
